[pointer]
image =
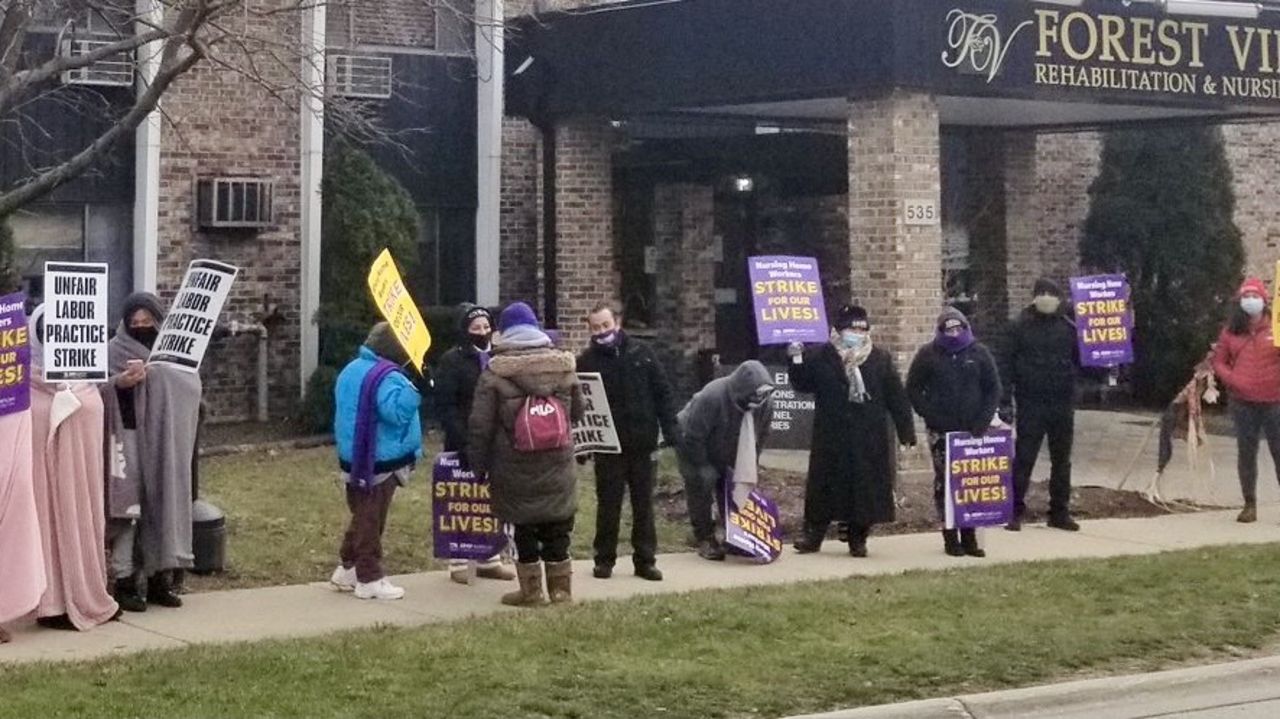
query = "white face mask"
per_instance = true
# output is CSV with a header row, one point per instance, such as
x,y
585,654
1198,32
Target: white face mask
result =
x,y
1047,304
1252,306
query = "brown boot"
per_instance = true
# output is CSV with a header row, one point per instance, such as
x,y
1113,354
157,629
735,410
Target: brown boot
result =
x,y
559,581
530,593
501,571
1249,514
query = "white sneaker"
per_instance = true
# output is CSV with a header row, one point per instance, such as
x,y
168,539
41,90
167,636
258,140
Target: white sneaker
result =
x,y
381,589
343,580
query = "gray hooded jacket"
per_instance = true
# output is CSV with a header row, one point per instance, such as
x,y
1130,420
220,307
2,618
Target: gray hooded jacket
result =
x,y
711,421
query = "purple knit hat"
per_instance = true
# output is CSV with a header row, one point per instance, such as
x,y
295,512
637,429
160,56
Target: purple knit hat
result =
x,y
516,314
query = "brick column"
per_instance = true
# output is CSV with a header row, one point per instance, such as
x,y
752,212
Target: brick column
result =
x,y
683,228
1066,164
895,270
1023,260
520,225
586,265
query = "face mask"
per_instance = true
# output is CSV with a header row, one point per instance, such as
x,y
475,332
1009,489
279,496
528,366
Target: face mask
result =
x,y
1047,304
481,340
1252,306
851,340
606,339
145,335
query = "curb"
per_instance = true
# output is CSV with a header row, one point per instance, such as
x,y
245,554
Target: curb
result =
x,y
319,440
1141,695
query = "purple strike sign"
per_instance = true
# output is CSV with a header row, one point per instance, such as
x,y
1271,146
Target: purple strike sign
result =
x,y
979,479
787,295
1104,320
753,530
463,524
15,356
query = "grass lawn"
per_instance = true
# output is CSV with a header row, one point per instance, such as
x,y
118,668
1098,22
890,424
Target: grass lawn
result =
x,y
740,653
286,512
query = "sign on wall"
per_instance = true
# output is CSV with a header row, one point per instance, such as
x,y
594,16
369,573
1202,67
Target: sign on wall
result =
x,y
1104,320
595,433
76,323
921,213
786,293
189,325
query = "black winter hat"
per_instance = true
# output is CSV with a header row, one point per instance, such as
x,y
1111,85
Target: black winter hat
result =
x,y
1046,286
470,313
851,317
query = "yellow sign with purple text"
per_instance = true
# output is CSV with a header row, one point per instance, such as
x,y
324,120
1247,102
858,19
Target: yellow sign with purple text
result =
x,y
395,304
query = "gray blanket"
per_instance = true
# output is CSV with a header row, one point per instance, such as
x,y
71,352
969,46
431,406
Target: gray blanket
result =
x,y
167,408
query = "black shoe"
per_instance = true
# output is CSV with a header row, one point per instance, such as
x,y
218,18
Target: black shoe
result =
x,y
602,571
160,592
711,550
1014,525
951,543
807,546
969,543
649,572
1063,522
858,549
126,595
61,621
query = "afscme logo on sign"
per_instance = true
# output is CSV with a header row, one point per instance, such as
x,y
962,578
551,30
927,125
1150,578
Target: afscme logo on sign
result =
x,y
542,410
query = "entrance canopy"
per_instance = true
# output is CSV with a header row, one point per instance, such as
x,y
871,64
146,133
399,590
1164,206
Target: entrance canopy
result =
x,y
999,63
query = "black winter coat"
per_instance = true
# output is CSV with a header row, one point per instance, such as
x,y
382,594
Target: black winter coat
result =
x,y
1040,361
638,390
455,379
954,392
851,457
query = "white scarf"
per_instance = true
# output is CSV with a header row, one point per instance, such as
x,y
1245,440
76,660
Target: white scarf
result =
x,y
852,360
745,473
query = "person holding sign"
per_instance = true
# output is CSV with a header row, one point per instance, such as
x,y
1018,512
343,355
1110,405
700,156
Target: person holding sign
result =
x,y
710,426
954,385
378,434
153,412
640,398
520,437
857,391
455,383
1040,375
1248,363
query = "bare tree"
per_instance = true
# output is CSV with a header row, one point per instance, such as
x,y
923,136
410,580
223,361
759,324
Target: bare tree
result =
x,y
44,42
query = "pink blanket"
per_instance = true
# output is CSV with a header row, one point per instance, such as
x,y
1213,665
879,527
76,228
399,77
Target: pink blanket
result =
x,y
22,578
67,430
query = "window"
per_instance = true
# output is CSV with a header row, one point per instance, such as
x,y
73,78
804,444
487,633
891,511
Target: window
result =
x,y
366,76
234,203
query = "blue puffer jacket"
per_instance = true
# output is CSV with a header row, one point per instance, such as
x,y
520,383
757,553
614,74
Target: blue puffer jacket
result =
x,y
399,428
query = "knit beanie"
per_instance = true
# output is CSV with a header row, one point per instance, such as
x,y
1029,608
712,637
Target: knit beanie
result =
x,y
470,313
383,342
1255,285
1045,286
851,317
951,318
516,314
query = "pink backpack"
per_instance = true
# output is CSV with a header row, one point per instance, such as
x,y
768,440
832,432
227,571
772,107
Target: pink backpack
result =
x,y
541,425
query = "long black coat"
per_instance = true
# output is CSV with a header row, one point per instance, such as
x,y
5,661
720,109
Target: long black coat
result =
x,y
851,458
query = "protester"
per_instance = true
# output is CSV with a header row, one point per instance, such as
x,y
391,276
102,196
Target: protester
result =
x,y
22,573
455,381
1248,363
640,399
379,439
954,385
1040,375
710,428
520,437
67,449
852,466
153,412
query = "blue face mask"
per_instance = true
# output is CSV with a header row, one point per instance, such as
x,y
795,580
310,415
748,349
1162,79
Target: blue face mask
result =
x,y
851,340
1252,306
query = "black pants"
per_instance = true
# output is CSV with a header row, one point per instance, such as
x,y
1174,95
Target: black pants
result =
x,y
1252,421
701,497
1035,421
543,542
615,475
938,452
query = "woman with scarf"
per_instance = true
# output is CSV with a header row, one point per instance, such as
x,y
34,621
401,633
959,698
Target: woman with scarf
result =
x,y
379,439
533,489
152,416
851,460
456,377
1248,363
954,385
67,448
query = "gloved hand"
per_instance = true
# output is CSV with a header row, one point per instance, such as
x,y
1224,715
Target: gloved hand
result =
x,y
980,430
1005,414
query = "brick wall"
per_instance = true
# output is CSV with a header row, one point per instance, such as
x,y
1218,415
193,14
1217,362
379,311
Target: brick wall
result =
x,y
218,124
398,23
1254,153
896,270
1023,260
521,212
983,207
1067,164
683,229
585,252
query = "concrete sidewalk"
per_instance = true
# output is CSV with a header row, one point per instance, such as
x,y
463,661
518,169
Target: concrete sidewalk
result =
x,y
1237,690
314,609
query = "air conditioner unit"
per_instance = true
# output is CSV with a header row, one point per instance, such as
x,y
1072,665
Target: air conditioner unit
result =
x,y
114,70
234,203
361,76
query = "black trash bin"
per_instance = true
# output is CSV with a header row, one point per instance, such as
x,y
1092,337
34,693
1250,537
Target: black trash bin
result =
x,y
208,538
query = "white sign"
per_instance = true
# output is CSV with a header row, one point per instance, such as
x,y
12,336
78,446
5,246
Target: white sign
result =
x,y
187,328
75,322
921,212
595,433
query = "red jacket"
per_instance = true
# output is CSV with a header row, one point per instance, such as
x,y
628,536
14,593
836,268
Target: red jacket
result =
x,y
1249,365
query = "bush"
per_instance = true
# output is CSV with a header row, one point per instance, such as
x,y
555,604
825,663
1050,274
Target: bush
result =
x,y
317,403
1161,212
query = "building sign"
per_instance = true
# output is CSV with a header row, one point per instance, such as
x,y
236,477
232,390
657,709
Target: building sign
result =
x,y
791,424
75,322
1104,320
595,433
1101,48
921,212
189,325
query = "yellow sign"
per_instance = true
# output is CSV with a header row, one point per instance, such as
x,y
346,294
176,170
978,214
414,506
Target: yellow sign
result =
x,y
1275,309
397,307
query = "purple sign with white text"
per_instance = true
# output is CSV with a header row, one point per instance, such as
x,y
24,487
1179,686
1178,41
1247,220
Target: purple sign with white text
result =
x,y
1104,320
979,479
463,524
15,355
755,529
786,293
